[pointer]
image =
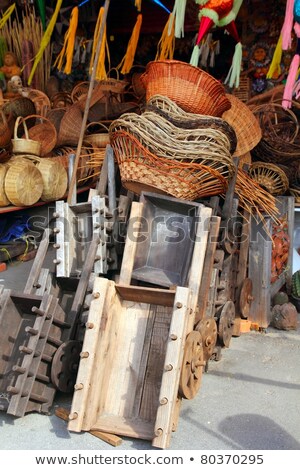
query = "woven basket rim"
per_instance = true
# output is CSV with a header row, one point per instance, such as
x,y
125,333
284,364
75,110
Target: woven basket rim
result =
x,y
246,126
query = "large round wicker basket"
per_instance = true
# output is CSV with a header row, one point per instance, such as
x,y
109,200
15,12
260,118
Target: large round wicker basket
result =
x,y
3,198
23,183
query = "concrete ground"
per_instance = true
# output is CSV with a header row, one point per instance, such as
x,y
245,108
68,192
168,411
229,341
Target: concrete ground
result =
x,y
248,400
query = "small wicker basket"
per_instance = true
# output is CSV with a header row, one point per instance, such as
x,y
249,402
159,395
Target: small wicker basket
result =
x,y
270,177
43,132
24,146
97,140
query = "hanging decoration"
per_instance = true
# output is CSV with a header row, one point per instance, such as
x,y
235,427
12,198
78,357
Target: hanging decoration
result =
x,y
67,51
166,45
179,13
6,15
138,4
100,68
45,40
220,13
275,68
292,18
128,59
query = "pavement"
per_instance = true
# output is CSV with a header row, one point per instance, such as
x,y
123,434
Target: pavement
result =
x,y
248,400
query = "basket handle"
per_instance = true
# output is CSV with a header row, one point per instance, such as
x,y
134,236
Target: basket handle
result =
x,y
96,124
113,69
38,116
19,121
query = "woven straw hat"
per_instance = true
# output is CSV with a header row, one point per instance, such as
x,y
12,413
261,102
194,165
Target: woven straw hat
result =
x,y
243,121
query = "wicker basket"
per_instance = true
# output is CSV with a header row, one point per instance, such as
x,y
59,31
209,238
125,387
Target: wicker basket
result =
x,y
5,130
113,85
40,100
70,126
20,106
26,145
207,147
141,170
23,183
3,198
97,140
243,121
43,132
61,100
62,155
55,116
54,175
270,177
194,90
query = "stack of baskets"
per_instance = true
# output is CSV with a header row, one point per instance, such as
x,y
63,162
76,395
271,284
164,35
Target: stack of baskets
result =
x,y
154,153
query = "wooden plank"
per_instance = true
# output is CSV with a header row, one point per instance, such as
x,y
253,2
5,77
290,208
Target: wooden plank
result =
x,y
135,428
208,267
155,363
147,295
82,285
170,379
260,273
131,243
103,179
87,376
197,264
38,263
111,439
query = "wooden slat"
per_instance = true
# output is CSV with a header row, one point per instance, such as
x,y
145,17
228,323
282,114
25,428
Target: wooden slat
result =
x,y
195,275
170,379
147,295
131,243
125,427
38,263
208,267
87,376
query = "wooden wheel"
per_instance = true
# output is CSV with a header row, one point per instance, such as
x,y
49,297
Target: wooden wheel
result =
x,y
226,323
192,366
245,297
207,327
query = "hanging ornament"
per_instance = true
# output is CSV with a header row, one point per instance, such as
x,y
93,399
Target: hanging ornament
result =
x,y
100,68
179,13
166,45
220,13
128,59
67,51
138,4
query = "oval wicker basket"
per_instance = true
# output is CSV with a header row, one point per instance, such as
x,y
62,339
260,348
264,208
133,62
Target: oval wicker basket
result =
x,y
142,170
23,183
26,145
62,155
191,88
43,132
113,85
269,176
40,100
3,198
20,106
55,116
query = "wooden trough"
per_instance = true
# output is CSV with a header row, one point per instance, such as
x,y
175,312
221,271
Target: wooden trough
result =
x,y
134,359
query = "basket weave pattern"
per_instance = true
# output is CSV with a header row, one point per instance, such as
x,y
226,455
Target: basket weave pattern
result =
x,y
270,176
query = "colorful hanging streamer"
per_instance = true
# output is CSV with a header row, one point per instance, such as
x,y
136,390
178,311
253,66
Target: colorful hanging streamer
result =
x,y
69,44
45,40
166,45
100,68
128,59
42,12
138,4
179,13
